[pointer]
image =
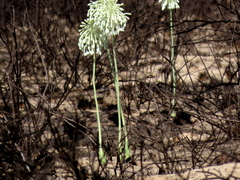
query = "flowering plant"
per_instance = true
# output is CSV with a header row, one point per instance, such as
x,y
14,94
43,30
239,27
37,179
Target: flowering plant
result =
x,y
171,4
105,19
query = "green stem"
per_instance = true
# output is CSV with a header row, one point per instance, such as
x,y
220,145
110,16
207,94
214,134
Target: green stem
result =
x,y
118,105
101,154
121,120
173,114
120,111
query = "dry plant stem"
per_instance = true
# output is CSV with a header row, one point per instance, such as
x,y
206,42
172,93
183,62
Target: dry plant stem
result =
x,y
173,113
19,149
43,61
101,154
238,91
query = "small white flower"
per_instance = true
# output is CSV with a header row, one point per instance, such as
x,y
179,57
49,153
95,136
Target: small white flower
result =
x,y
108,16
91,40
171,4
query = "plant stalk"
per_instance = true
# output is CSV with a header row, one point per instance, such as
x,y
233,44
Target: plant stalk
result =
x,y
120,111
101,153
121,120
173,113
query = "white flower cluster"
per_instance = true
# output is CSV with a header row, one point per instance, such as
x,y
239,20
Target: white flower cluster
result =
x,y
105,19
171,4
91,39
109,16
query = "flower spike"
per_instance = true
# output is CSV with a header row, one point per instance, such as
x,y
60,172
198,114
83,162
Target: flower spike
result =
x,y
171,4
91,40
108,16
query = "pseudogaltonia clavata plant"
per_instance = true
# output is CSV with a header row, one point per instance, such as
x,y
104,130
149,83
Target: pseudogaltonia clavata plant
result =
x,y
171,4
105,19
